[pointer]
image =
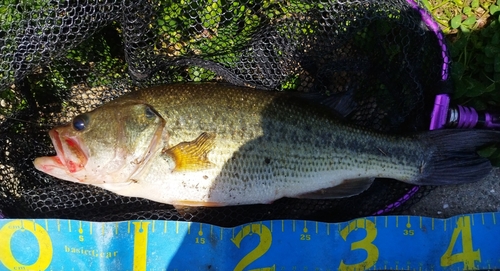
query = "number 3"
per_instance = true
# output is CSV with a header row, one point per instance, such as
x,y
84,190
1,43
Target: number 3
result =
x,y
365,244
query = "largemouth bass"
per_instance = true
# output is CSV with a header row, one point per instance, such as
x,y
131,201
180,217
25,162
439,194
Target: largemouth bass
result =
x,y
216,145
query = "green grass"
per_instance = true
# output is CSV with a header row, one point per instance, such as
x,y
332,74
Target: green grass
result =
x,y
473,31
472,28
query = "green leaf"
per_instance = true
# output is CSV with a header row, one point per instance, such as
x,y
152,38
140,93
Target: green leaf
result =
x,y
474,87
489,67
496,63
457,47
460,91
427,5
495,161
477,104
491,50
475,92
456,21
457,70
475,4
490,88
467,11
494,9
465,29
495,39
469,21
486,152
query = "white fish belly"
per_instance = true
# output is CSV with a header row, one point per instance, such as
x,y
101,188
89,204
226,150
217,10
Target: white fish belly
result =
x,y
264,184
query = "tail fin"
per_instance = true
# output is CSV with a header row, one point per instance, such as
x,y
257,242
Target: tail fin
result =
x,y
454,159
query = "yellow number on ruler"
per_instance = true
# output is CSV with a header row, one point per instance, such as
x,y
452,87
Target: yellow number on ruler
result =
x,y
140,244
408,232
468,255
305,237
41,235
365,244
263,246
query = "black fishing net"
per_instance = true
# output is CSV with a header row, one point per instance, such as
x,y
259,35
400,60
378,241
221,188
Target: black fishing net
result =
x,y
62,58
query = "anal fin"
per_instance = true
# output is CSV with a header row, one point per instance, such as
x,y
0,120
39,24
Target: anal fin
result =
x,y
347,188
182,204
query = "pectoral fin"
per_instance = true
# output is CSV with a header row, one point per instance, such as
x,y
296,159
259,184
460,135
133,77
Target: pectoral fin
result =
x,y
348,188
192,155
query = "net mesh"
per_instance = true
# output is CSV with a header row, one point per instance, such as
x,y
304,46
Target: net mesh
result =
x,y
62,58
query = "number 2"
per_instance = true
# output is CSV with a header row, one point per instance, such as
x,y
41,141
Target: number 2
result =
x,y
305,237
263,246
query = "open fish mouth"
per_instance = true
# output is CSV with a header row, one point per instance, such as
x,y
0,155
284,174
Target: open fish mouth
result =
x,y
69,158
69,152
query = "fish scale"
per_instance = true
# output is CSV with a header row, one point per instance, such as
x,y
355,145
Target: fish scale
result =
x,y
215,145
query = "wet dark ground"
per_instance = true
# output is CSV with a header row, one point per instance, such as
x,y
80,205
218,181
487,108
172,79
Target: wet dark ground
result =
x,y
446,201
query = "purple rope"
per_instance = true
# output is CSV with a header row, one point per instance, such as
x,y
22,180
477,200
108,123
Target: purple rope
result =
x,y
399,202
434,27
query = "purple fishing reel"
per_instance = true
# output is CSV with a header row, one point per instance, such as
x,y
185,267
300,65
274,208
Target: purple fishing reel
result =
x,y
444,115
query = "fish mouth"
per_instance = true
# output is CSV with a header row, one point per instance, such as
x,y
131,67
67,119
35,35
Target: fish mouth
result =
x,y
69,152
70,157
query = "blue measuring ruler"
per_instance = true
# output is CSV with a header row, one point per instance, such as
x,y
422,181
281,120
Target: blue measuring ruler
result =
x,y
465,242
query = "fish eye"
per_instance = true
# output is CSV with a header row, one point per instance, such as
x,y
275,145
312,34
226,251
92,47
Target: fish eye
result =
x,y
80,122
150,112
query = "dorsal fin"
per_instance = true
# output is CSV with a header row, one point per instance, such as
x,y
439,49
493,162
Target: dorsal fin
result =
x,y
342,104
347,188
192,155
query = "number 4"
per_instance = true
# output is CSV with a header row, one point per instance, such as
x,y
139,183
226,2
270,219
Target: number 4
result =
x,y
468,255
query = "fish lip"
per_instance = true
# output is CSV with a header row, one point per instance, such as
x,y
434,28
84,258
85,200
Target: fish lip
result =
x,y
62,158
57,143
